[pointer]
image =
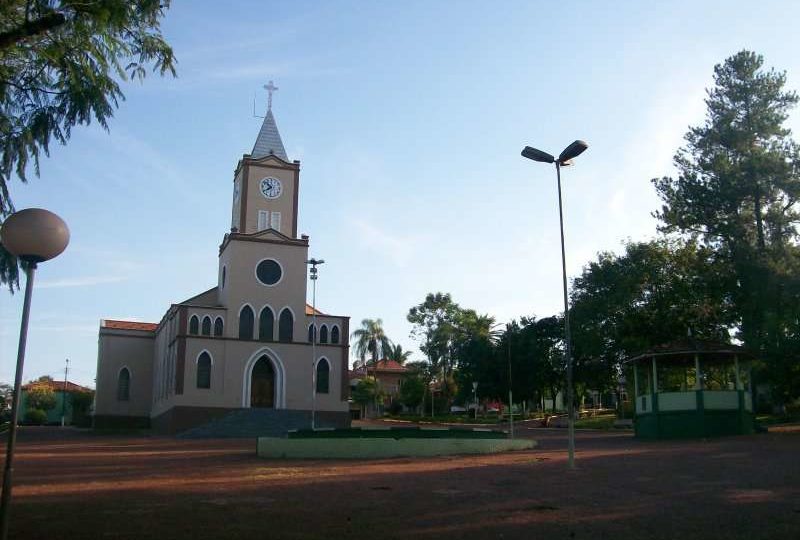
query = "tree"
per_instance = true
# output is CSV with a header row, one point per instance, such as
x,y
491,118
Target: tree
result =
x,y
396,353
412,390
61,63
736,191
40,397
371,339
435,323
367,391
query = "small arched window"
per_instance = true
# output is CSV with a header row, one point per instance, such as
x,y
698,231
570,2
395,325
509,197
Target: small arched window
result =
x,y
124,385
266,325
204,370
206,331
311,332
286,326
218,326
223,277
194,325
323,376
323,334
335,335
246,319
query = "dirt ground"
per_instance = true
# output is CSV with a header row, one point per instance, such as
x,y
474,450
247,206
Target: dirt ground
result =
x,y
71,484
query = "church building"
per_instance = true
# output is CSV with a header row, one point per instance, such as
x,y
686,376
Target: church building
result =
x,y
241,353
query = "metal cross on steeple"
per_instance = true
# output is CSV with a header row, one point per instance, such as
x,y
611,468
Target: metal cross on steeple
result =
x,y
270,88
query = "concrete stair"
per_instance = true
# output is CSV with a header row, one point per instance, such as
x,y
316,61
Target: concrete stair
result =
x,y
248,423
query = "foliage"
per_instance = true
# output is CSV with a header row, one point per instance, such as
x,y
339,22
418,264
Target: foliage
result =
x,y
396,353
737,192
412,390
40,397
36,417
61,63
367,390
371,339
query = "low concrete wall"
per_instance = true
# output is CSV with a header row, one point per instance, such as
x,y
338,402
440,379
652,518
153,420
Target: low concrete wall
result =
x,y
356,448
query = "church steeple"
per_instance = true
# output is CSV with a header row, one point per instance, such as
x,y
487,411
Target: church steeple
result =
x,y
269,140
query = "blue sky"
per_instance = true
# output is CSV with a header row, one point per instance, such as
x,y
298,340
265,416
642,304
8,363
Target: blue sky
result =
x,y
408,118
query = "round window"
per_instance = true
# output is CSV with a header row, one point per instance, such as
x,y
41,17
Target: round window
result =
x,y
268,272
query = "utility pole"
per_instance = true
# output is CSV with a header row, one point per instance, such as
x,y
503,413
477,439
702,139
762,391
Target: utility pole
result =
x,y
510,395
64,396
313,263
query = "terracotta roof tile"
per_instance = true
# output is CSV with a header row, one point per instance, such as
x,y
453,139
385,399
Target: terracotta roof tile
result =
x,y
310,311
129,325
57,386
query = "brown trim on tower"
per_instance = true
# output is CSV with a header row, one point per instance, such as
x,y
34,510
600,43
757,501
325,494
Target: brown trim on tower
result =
x,y
345,390
180,365
183,318
296,198
243,200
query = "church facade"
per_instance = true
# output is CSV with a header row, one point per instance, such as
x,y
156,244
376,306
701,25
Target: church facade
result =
x,y
245,343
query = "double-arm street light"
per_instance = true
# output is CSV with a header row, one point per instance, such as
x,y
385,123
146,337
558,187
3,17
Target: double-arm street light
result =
x,y
565,158
33,235
313,271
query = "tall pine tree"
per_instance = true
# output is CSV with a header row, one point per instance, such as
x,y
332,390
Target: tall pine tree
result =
x,y
737,190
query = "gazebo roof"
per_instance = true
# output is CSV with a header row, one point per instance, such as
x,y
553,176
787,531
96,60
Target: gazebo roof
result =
x,y
691,346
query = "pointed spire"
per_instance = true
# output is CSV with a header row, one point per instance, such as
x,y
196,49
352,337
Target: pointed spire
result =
x,y
269,140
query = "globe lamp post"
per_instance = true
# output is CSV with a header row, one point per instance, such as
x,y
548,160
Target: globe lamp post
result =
x,y
33,235
564,159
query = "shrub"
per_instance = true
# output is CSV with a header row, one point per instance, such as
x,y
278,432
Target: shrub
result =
x,y
36,417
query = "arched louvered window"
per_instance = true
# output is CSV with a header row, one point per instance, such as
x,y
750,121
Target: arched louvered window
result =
x,y
204,370
286,326
335,335
246,320
194,325
218,326
206,330
266,325
323,334
323,376
311,328
124,385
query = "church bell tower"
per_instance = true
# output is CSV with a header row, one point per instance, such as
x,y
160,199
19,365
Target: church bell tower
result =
x,y
266,184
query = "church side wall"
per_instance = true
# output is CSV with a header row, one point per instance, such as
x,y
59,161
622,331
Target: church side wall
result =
x,y
133,350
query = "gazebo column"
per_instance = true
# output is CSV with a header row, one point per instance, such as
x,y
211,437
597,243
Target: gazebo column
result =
x,y
739,394
698,385
655,397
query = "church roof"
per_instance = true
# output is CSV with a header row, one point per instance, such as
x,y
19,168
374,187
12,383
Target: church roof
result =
x,y
310,310
128,325
269,140
204,299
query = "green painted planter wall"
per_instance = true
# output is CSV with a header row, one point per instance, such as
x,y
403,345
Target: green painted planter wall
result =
x,y
693,424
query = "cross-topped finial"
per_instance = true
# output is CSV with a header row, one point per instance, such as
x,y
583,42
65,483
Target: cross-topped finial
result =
x,y
270,88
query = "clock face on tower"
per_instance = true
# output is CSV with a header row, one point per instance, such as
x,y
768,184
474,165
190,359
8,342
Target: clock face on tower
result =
x,y
271,188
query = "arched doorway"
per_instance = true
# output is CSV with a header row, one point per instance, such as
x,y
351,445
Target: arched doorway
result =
x,y
262,384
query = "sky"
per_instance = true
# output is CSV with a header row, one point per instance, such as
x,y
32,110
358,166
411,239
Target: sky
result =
x,y
408,119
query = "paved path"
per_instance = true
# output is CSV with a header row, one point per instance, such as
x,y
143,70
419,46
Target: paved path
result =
x,y
74,485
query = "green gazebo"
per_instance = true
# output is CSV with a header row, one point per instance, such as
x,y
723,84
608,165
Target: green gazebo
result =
x,y
692,388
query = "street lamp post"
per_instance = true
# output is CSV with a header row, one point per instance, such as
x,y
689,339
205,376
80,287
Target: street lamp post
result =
x,y
314,263
575,149
33,235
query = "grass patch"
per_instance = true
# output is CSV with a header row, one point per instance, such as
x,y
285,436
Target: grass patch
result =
x,y
605,421
772,419
446,419
397,433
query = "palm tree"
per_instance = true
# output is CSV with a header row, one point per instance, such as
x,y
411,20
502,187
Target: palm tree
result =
x,y
396,353
371,339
